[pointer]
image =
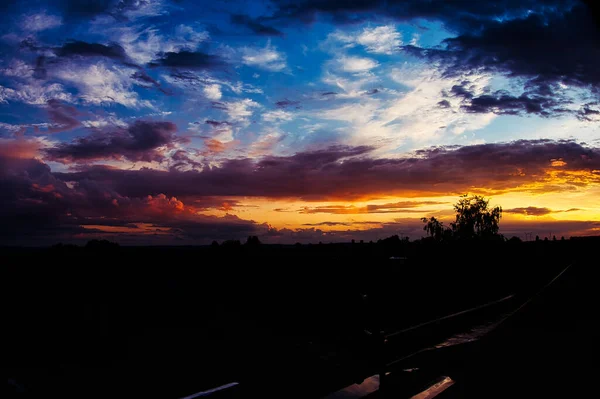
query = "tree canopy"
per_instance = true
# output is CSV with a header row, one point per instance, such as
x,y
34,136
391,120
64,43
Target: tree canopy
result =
x,y
474,219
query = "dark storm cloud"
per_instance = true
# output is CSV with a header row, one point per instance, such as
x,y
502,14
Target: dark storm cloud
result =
x,y
141,141
188,60
39,208
346,173
84,49
560,47
183,160
545,49
502,103
62,116
588,114
254,25
464,14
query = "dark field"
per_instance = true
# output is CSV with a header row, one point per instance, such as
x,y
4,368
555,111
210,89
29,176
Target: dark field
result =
x,y
290,321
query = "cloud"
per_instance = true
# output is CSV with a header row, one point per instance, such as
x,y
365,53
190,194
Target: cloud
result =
x,y
241,110
76,48
21,147
500,47
356,64
396,207
183,160
120,10
200,79
35,93
518,40
529,211
408,117
285,103
101,83
40,209
39,22
220,132
141,141
536,211
145,45
267,58
277,115
254,25
188,60
104,121
212,92
18,69
455,15
502,103
379,40
62,116
347,173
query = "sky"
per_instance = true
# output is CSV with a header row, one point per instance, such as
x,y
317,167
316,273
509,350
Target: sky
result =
x,y
175,122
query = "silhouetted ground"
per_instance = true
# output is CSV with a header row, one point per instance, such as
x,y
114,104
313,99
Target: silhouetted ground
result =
x,y
287,321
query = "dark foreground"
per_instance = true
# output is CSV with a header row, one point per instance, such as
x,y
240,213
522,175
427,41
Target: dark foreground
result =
x,y
290,321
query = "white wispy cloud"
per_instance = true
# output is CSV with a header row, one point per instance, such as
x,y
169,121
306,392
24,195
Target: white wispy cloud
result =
x,y
412,118
11,128
349,86
35,93
145,8
277,115
39,22
101,121
356,64
145,44
379,40
223,133
240,111
266,143
102,84
18,69
267,58
213,91
201,80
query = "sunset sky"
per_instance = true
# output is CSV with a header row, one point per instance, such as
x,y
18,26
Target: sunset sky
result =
x,y
164,122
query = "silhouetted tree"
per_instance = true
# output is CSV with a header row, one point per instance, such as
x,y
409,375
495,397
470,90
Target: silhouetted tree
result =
x,y
231,244
101,245
253,241
435,229
474,218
